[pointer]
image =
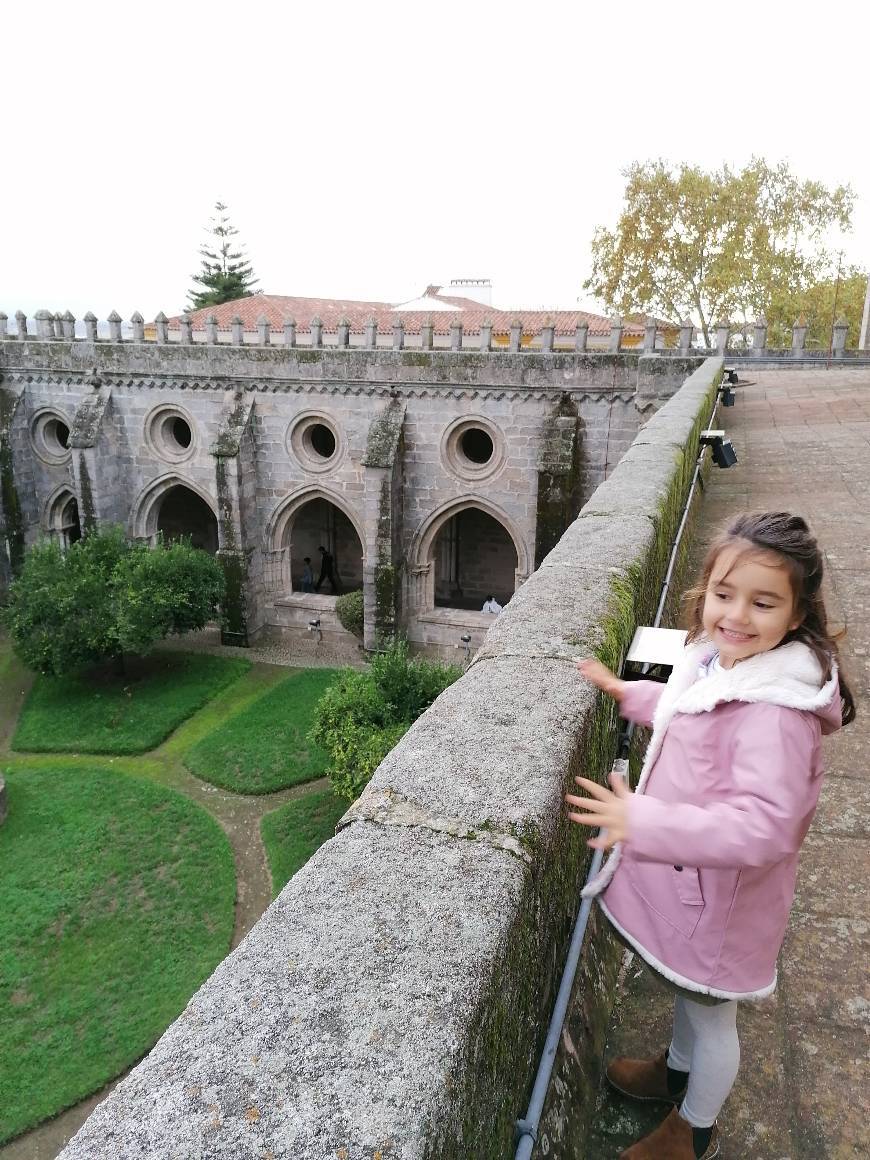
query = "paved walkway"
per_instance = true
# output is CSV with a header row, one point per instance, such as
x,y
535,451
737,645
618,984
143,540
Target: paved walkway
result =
x,y
803,441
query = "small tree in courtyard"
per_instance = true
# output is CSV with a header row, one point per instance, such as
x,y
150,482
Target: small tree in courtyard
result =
x,y
105,597
226,273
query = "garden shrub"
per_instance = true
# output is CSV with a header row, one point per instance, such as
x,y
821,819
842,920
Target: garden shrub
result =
x,y
349,610
362,716
104,597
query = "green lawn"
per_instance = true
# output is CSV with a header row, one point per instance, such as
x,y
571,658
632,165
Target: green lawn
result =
x,y
295,830
99,713
116,902
265,747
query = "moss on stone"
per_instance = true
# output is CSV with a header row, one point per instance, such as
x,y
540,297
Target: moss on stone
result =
x,y
12,529
87,510
385,432
234,619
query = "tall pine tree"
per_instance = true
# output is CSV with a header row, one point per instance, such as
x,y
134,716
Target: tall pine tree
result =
x,y
226,273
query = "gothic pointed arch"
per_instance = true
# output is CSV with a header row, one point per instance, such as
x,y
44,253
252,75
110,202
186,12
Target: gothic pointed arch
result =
x,y
175,506
438,538
309,517
60,518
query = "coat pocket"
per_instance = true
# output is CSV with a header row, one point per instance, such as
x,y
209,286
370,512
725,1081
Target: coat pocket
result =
x,y
673,892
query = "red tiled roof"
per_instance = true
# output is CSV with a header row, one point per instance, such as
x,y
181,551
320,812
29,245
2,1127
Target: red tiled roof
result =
x,y
472,315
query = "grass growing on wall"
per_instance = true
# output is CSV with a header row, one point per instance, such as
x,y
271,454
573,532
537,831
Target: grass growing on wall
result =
x,y
265,747
116,902
103,713
293,832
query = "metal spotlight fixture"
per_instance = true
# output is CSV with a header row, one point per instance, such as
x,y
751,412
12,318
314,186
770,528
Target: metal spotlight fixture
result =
x,y
731,375
314,626
465,643
726,395
723,451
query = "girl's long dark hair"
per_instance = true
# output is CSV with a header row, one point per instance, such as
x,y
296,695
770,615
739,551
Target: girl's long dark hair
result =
x,y
790,538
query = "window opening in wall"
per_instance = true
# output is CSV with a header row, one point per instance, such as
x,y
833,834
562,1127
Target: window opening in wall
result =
x,y
475,558
322,440
320,523
70,528
181,432
50,435
448,561
183,514
476,445
59,432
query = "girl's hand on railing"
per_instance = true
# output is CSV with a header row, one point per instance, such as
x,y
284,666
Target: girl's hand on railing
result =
x,y
605,808
598,674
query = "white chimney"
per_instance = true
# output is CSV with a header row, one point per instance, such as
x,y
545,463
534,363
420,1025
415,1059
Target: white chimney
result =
x,y
477,289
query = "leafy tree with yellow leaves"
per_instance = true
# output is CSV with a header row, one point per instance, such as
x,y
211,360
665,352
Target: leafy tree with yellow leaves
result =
x,y
715,245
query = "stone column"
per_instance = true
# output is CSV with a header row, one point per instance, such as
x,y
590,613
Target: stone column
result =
x,y
69,326
759,337
57,322
315,330
237,328
616,326
235,483
21,322
342,336
382,520
211,330
289,332
264,330
4,318
114,326
186,337
138,323
371,338
427,331
456,336
548,336
161,327
398,334
798,337
581,337
486,336
838,337
723,333
687,333
516,336
649,336
90,321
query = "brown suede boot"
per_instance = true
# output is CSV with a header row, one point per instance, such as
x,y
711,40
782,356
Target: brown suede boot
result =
x,y
643,1079
672,1140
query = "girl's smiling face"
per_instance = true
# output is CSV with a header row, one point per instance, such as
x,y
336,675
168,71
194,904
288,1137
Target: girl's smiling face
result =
x,y
749,605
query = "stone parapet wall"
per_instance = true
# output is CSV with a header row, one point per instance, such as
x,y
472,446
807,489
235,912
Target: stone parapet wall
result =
x,y
356,369
393,999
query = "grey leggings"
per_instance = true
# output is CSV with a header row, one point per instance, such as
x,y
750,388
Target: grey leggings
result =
x,y
705,1044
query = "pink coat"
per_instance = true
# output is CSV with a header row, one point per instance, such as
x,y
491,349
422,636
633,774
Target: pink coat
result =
x,y
703,885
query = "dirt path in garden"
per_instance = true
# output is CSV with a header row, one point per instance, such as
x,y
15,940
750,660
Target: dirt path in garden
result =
x,y
239,815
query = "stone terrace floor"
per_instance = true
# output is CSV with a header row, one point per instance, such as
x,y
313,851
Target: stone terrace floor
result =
x,y
803,1093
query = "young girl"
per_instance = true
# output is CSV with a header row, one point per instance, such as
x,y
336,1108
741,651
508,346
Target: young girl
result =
x,y
702,877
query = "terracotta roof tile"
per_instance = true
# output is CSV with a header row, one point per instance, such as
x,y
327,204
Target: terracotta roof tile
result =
x,y
472,315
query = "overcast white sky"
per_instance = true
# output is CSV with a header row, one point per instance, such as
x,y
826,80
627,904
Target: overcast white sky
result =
x,y
366,150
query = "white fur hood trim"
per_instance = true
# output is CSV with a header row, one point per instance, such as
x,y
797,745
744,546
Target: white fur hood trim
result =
x,y
789,676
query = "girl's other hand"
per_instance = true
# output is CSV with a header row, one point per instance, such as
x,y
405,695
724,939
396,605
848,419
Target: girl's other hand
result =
x,y
605,808
598,674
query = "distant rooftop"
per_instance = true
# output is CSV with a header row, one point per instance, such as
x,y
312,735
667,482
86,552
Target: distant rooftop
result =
x,y
442,309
